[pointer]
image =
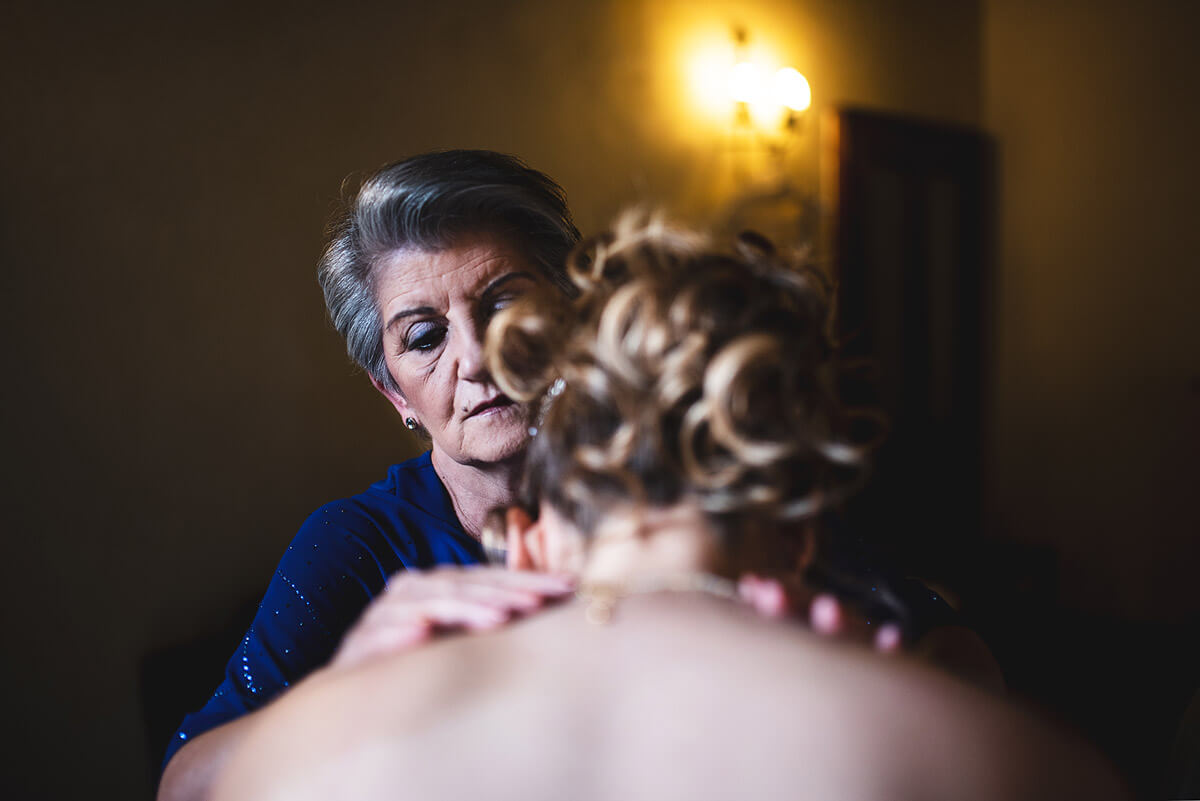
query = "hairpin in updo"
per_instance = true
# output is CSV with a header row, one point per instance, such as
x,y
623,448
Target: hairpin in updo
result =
x,y
553,392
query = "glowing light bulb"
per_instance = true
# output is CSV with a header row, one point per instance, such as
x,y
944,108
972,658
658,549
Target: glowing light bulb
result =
x,y
746,82
790,88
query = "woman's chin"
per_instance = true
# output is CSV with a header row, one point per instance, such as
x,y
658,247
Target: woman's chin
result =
x,y
495,436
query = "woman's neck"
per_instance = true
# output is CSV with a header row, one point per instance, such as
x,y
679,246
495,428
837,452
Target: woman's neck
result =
x,y
634,546
476,490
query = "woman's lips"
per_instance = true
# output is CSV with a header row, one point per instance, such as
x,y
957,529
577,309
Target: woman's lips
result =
x,y
493,404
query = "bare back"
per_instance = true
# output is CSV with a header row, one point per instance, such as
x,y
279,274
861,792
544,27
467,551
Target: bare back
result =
x,y
684,697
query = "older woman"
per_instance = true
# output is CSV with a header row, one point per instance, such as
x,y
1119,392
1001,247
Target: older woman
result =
x,y
694,430
429,250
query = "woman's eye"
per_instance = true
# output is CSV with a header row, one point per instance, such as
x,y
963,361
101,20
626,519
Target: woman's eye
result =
x,y
502,303
425,338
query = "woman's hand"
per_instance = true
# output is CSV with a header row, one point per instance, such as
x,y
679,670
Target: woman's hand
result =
x,y
824,613
951,648
419,603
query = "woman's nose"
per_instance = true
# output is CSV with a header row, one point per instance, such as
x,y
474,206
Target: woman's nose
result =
x,y
470,356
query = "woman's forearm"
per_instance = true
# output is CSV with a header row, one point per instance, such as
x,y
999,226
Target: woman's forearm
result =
x,y
190,774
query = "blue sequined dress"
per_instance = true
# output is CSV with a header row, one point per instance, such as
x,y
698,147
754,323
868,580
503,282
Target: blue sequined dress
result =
x,y
340,560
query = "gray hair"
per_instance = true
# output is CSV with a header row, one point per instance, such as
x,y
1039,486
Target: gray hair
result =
x,y
427,202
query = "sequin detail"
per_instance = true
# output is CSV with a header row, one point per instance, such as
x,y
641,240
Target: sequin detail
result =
x,y
247,677
307,604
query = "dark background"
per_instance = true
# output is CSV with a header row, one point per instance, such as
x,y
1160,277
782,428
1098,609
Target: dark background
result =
x,y
175,402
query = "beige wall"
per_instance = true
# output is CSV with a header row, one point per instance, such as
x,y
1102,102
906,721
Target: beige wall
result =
x,y
1097,424
176,403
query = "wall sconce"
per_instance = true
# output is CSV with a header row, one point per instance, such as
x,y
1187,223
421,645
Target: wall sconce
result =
x,y
762,97
765,106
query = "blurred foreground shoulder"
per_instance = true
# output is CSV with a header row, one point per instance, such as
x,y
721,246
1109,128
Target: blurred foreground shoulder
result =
x,y
960,743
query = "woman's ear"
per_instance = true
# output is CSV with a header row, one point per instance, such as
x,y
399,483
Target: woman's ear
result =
x,y
395,398
526,544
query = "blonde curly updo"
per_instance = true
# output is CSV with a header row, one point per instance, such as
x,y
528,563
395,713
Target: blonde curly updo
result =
x,y
687,374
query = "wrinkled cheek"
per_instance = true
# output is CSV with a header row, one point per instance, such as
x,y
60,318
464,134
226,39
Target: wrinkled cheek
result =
x,y
437,401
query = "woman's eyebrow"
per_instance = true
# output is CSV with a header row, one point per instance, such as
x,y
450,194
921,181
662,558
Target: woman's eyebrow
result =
x,y
491,288
504,279
398,316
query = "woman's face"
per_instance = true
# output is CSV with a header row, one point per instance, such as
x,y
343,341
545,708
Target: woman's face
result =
x,y
435,307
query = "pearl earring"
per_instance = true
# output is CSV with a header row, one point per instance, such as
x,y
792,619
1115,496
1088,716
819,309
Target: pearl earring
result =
x,y
410,424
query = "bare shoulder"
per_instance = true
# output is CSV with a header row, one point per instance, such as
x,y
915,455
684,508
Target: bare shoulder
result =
x,y
850,720
940,737
289,747
672,700
345,733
